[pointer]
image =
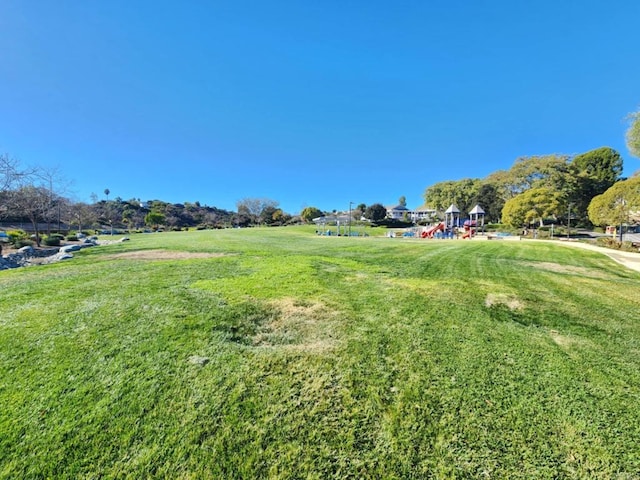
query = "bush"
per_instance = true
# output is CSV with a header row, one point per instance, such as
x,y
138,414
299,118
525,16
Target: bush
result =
x,y
16,236
495,227
609,242
392,223
72,238
23,242
52,241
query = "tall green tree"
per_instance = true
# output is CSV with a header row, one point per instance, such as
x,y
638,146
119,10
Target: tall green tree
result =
x,y
154,219
618,205
375,212
533,206
593,173
491,202
461,192
309,213
531,172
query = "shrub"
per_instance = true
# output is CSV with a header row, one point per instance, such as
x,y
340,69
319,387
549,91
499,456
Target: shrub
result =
x,y
52,241
608,242
16,236
72,238
23,242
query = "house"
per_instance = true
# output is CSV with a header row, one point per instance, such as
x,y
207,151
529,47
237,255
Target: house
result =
x,y
400,212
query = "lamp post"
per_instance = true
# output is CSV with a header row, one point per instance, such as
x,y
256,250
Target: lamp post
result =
x,y
569,221
350,203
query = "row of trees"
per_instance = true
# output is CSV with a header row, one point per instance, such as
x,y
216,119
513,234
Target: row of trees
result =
x,y
534,188
35,196
587,188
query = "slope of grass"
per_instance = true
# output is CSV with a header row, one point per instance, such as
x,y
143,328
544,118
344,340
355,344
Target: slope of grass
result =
x,y
325,358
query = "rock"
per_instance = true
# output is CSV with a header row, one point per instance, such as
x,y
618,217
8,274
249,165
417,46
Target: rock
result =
x,y
70,248
198,360
124,239
58,257
26,249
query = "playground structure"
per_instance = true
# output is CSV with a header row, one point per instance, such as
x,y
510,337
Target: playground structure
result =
x,y
450,227
476,216
469,229
337,226
431,231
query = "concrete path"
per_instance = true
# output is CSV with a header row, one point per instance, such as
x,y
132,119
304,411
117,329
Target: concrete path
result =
x,y
628,259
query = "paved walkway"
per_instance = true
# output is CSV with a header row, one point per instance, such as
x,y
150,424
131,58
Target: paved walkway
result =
x,y
628,259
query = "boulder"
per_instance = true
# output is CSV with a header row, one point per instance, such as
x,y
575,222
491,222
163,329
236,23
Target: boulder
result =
x,y
70,248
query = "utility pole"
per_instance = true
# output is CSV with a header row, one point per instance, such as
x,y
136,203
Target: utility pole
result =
x,y
350,203
569,221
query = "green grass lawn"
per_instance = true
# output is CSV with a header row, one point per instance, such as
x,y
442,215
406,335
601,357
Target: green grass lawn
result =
x,y
327,358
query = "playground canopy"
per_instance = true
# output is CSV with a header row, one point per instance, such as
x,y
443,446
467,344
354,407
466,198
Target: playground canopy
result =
x,y
452,216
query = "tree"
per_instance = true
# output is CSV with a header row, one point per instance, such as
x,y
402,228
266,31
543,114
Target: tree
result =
x,y
530,172
375,212
107,192
633,134
533,205
309,213
489,199
402,201
252,207
619,204
9,173
268,214
593,173
461,192
80,214
154,219
33,203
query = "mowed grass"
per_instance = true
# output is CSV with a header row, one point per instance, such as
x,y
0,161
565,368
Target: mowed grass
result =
x,y
325,358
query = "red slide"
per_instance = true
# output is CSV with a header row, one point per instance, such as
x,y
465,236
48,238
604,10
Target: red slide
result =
x,y
429,233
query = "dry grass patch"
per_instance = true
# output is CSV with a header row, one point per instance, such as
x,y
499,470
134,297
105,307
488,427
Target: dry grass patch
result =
x,y
570,269
510,301
298,325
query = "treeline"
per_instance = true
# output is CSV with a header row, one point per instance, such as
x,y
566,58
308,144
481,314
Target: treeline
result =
x,y
537,189
33,197
587,189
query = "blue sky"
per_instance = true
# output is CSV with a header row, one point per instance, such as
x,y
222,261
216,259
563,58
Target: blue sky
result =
x,y
310,103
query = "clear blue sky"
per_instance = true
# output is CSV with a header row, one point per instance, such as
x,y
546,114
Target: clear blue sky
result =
x,y
311,103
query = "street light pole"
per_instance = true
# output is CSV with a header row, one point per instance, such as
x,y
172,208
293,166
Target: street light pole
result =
x,y
569,222
350,203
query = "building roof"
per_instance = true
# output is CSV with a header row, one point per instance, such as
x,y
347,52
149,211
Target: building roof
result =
x,y
398,207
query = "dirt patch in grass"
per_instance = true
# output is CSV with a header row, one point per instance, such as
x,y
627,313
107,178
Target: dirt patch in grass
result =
x,y
567,342
509,301
299,325
162,255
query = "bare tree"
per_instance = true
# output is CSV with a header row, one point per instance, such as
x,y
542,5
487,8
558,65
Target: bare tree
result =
x,y
253,207
80,214
33,203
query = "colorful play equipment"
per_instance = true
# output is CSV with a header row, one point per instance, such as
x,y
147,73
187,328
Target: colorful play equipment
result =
x,y
450,227
428,233
452,216
470,228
